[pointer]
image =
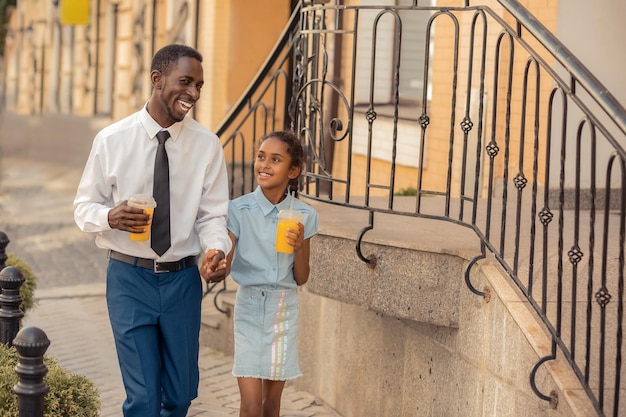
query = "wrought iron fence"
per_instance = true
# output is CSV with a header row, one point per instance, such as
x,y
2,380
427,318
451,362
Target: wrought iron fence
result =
x,y
490,123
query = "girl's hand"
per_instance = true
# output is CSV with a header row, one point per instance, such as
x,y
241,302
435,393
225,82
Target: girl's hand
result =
x,y
213,267
296,237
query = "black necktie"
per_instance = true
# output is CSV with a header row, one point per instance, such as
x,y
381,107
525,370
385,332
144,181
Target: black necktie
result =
x,y
160,241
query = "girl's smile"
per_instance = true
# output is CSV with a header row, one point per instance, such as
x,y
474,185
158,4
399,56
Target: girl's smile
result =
x,y
273,168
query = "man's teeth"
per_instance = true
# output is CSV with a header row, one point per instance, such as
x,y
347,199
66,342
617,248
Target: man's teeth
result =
x,y
185,105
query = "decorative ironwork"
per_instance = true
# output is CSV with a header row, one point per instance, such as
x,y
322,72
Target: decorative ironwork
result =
x,y
468,280
370,115
603,297
323,99
492,149
209,289
552,398
371,260
545,216
424,120
520,181
466,125
575,255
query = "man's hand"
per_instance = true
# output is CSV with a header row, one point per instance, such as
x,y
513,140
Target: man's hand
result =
x,y
213,267
129,219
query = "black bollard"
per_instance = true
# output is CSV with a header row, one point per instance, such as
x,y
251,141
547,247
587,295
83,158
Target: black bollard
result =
x,y
31,343
11,280
4,242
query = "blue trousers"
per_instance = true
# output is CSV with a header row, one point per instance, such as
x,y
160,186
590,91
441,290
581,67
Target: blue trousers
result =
x,y
155,319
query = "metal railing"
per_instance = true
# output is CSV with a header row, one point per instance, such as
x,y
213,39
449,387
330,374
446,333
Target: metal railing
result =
x,y
491,125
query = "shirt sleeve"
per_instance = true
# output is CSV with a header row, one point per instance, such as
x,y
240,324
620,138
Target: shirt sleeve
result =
x,y
310,223
213,210
91,211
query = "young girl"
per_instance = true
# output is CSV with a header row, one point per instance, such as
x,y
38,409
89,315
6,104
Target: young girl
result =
x,y
266,307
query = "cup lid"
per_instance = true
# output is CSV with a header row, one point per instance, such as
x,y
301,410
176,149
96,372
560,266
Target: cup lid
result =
x,y
143,200
290,214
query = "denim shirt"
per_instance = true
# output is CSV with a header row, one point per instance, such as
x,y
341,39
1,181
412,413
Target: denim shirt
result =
x,y
252,218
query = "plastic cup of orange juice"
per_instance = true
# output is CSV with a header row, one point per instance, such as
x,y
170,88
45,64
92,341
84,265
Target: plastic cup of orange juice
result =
x,y
287,219
147,203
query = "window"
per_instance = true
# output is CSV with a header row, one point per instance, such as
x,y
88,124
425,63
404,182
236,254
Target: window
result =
x,y
375,72
411,54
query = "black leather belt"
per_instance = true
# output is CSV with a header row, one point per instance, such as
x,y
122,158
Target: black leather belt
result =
x,y
152,264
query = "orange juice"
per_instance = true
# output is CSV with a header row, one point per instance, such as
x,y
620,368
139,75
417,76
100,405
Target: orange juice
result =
x,y
148,204
287,219
145,235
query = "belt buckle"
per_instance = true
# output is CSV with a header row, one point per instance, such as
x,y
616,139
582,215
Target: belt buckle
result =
x,y
158,268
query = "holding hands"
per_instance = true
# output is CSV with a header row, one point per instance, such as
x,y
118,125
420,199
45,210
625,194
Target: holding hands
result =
x,y
214,266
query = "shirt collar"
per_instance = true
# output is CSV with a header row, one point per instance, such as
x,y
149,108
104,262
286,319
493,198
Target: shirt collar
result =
x,y
152,127
266,206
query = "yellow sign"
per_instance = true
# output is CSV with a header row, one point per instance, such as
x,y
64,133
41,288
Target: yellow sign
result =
x,y
74,12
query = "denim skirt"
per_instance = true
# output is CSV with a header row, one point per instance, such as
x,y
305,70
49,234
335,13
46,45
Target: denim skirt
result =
x,y
266,333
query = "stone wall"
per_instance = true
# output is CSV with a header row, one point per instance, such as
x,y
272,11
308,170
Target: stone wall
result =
x,y
408,338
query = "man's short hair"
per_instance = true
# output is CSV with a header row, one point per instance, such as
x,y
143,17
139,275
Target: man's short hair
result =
x,y
169,55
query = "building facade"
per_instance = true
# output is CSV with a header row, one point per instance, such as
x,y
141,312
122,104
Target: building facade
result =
x,y
102,67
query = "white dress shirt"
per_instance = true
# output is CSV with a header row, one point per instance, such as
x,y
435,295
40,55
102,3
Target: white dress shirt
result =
x,y
121,163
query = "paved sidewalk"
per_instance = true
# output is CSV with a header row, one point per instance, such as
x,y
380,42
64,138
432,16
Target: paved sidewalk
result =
x,y
75,320
40,163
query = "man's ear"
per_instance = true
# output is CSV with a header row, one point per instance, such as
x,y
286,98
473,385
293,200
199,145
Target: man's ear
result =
x,y
156,77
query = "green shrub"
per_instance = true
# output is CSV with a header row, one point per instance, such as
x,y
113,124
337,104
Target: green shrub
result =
x,y
409,191
70,394
28,287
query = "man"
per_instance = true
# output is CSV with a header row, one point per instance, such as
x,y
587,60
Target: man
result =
x,y
154,295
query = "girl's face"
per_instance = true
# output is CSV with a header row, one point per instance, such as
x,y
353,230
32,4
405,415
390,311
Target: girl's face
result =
x,y
273,165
